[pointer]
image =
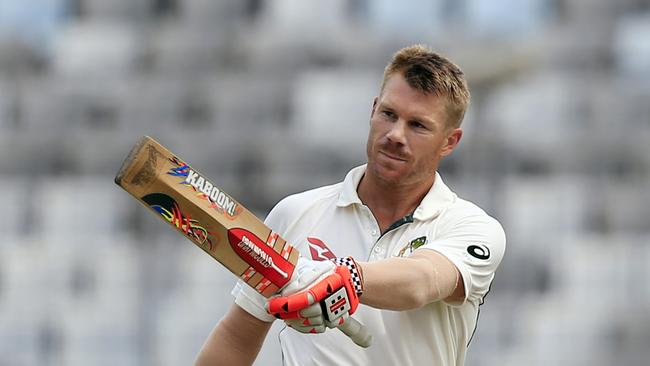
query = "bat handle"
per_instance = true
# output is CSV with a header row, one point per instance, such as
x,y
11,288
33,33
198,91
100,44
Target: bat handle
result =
x,y
357,332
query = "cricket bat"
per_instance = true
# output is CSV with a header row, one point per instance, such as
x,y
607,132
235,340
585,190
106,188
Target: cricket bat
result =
x,y
215,222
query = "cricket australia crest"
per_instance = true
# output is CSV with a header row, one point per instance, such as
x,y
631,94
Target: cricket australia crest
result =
x,y
411,246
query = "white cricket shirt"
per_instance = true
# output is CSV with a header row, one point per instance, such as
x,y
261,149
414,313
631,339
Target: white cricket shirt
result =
x,y
332,221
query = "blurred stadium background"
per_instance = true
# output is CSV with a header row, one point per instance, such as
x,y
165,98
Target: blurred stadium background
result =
x,y
273,97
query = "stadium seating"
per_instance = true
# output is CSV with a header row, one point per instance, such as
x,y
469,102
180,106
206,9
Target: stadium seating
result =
x,y
272,98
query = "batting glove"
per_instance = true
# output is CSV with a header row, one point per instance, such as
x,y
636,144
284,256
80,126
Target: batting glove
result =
x,y
325,302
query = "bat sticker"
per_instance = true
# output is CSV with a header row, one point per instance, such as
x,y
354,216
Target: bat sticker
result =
x,y
260,256
218,199
168,208
180,171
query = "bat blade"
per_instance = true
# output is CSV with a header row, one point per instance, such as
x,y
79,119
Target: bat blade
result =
x,y
206,215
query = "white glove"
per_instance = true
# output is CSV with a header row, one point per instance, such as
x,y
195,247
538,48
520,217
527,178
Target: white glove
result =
x,y
306,273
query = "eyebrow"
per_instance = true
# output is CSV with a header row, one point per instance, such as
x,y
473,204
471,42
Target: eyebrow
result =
x,y
426,119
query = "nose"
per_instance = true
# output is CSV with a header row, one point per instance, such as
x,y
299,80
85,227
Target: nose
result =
x,y
396,133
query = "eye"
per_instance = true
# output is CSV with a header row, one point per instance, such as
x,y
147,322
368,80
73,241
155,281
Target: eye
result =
x,y
418,125
388,114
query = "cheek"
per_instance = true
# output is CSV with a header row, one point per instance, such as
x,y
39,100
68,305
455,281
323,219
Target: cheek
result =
x,y
372,136
369,144
430,150
376,131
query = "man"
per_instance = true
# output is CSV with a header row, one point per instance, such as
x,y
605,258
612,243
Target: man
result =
x,y
426,257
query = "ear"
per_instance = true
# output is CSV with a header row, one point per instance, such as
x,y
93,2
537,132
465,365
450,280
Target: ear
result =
x,y
374,105
452,140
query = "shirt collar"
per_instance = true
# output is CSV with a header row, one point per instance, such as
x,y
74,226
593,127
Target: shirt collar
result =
x,y
436,200
349,194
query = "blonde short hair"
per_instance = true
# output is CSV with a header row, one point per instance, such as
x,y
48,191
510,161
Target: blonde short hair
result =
x,y
432,73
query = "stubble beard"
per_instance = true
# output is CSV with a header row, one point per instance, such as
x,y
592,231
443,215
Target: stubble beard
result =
x,y
384,174
387,177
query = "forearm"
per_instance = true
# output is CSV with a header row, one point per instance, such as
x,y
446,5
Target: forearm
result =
x,y
408,283
236,340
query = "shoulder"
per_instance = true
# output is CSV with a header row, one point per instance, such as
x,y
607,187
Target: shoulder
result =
x,y
298,202
465,221
465,212
292,207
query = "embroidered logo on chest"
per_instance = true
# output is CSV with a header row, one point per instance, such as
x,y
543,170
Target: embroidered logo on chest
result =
x,y
412,245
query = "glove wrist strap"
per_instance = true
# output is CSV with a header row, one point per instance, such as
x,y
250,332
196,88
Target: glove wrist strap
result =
x,y
356,273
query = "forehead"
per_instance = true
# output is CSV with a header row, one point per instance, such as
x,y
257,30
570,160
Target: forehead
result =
x,y
398,94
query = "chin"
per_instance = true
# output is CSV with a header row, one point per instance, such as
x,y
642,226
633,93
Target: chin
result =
x,y
387,174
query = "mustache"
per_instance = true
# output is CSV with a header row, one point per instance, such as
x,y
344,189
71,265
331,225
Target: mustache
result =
x,y
394,150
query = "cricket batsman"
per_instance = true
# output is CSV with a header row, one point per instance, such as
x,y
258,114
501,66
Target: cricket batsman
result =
x,y
415,260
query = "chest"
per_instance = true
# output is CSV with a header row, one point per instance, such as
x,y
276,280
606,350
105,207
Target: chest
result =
x,y
353,231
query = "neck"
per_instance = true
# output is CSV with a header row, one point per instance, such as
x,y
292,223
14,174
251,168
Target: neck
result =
x,y
390,202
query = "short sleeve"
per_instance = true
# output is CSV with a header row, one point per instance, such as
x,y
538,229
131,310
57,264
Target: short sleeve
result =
x,y
475,245
251,301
